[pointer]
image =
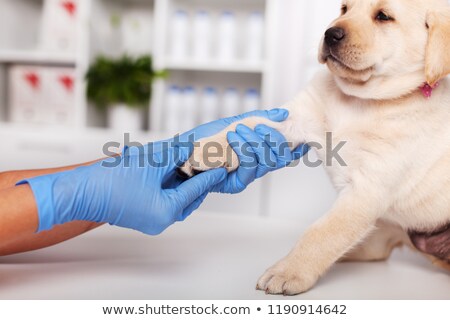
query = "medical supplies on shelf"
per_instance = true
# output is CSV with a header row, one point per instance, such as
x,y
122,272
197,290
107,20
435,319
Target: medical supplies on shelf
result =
x,y
225,37
41,94
60,25
187,107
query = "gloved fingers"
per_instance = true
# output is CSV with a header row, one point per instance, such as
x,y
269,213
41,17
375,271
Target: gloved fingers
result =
x,y
192,189
248,162
210,129
137,149
231,185
179,153
132,150
172,180
192,207
300,151
279,145
277,115
276,142
264,155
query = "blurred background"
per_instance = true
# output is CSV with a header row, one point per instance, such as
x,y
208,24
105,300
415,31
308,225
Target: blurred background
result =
x,y
75,74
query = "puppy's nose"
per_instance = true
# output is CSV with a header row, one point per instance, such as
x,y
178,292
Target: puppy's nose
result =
x,y
334,36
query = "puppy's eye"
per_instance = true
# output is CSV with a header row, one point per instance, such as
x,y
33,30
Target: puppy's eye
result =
x,y
344,9
383,17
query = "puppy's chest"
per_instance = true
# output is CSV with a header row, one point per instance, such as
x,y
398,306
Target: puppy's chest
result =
x,y
406,151
375,139
351,138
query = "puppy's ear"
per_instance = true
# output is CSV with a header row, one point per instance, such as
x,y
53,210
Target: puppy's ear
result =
x,y
437,59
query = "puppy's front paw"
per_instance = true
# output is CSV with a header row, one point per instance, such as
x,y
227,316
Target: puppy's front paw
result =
x,y
286,278
210,153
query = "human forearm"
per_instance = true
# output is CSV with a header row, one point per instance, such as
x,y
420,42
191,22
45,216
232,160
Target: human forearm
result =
x,y
10,178
34,241
26,240
18,214
144,198
7,180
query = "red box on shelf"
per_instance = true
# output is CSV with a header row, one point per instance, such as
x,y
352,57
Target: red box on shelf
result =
x,y
41,95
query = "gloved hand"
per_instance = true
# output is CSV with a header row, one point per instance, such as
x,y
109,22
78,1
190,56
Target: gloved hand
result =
x,y
260,152
127,194
210,129
130,192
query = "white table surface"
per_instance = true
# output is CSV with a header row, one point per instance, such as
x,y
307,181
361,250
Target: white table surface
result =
x,y
208,257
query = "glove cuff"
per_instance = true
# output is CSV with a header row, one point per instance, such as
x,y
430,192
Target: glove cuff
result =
x,y
42,188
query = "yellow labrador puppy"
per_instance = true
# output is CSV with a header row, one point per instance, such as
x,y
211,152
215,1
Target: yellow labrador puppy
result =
x,y
385,93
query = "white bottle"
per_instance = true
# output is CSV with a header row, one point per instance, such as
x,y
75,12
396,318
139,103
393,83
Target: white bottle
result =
x,y
227,40
173,108
231,103
189,110
209,105
202,36
252,100
180,36
254,37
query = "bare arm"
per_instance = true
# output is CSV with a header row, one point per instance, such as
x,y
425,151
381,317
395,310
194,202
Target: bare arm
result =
x,y
19,219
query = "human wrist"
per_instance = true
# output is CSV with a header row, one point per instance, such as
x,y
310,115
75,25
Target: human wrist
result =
x,y
55,204
8,179
18,214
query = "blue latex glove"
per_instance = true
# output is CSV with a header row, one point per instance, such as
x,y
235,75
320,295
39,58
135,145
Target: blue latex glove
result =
x,y
210,129
266,149
147,198
260,152
127,195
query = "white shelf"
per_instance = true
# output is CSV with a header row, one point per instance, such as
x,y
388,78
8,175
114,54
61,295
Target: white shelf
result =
x,y
35,56
237,66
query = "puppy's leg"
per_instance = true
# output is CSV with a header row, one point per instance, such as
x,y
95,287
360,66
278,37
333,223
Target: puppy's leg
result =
x,y
435,245
440,263
379,244
215,152
351,219
305,116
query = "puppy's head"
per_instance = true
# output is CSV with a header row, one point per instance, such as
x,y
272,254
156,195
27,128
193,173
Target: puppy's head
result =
x,y
385,49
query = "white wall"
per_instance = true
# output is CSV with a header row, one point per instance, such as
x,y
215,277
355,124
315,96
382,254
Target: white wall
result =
x,y
301,25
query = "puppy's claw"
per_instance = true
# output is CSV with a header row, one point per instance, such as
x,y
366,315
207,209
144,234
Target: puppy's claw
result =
x,y
286,281
182,174
196,172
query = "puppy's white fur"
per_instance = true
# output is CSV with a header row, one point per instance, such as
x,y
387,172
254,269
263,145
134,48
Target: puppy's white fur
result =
x,y
398,142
